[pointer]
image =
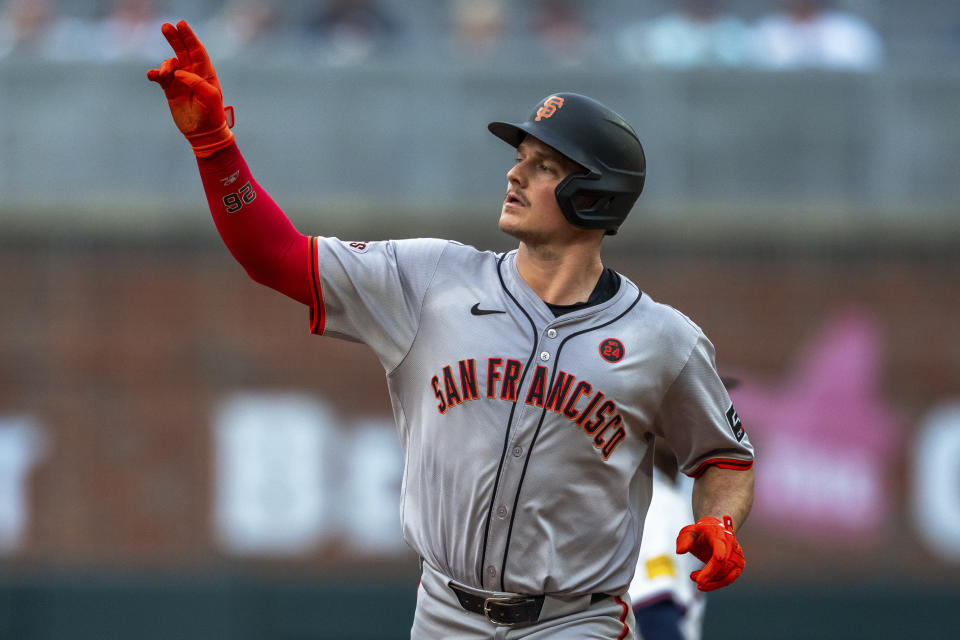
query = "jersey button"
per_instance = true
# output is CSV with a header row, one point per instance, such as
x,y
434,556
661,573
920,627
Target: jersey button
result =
x,y
517,452
544,356
501,511
551,333
492,572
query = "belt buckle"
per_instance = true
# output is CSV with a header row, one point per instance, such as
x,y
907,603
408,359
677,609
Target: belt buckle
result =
x,y
500,600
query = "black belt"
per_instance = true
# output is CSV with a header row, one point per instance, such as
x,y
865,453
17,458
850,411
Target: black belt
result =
x,y
507,610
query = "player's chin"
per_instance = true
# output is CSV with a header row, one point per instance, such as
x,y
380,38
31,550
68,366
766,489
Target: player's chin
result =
x,y
520,232
509,220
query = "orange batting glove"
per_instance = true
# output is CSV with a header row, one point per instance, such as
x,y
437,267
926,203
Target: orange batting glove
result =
x,y
715,544
193,92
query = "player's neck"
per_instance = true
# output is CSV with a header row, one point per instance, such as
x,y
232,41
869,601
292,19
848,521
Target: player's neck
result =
x,y
560,276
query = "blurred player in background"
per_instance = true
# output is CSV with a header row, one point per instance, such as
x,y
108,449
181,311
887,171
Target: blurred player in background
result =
x,y
666,603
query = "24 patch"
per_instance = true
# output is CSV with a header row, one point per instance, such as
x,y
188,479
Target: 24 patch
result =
x,y
611,350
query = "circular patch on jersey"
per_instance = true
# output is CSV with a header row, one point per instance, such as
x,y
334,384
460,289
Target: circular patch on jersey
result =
x,y
611,350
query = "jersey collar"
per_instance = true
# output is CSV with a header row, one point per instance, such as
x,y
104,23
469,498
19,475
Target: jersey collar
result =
x,y
538,309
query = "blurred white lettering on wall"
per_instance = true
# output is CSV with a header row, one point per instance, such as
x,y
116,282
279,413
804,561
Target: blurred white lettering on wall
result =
x,y
291,476
936,482
21,446
268,458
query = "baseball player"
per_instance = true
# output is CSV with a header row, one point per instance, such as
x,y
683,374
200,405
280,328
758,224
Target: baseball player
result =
x,y
527,386
666,604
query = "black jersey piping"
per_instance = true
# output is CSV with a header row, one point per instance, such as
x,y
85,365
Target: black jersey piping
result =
x,y
533,441
506,435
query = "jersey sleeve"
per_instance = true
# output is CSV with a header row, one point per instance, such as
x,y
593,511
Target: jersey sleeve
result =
x,y
697,417
372,292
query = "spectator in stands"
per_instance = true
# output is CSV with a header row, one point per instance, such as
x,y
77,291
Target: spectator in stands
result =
x,y
25,27
351,31
129,31
809,34
561,33
245,28
478,27
699,33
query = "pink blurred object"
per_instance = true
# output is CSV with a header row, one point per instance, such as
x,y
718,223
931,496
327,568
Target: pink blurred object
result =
x,y
825,436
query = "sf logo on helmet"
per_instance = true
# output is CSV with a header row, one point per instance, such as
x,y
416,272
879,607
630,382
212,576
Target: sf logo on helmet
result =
x,y
550,107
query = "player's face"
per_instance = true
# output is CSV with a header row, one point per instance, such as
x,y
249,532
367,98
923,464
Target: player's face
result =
x,y
530,211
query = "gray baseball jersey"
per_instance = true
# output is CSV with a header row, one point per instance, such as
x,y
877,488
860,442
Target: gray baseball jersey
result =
x,y
527,437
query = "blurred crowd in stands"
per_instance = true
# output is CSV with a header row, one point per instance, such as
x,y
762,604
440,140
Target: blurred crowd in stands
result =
x,y
792,34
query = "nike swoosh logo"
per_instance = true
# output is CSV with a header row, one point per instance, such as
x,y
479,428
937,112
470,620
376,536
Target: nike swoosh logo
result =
x,y
477,311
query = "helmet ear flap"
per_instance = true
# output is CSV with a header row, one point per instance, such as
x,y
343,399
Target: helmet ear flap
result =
x,y
592,202
585,204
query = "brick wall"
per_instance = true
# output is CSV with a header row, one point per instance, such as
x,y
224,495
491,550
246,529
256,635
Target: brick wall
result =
x,y
123,351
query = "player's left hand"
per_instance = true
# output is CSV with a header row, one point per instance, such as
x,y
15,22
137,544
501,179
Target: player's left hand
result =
x,y
193,91
715,544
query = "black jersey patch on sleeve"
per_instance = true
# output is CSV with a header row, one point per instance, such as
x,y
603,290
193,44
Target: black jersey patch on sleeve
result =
x,y
734,421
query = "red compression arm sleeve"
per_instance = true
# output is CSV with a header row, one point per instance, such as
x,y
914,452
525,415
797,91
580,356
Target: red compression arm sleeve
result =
x,y
254,228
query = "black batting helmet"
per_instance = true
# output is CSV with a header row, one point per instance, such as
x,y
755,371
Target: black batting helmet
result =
x,y
598,139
